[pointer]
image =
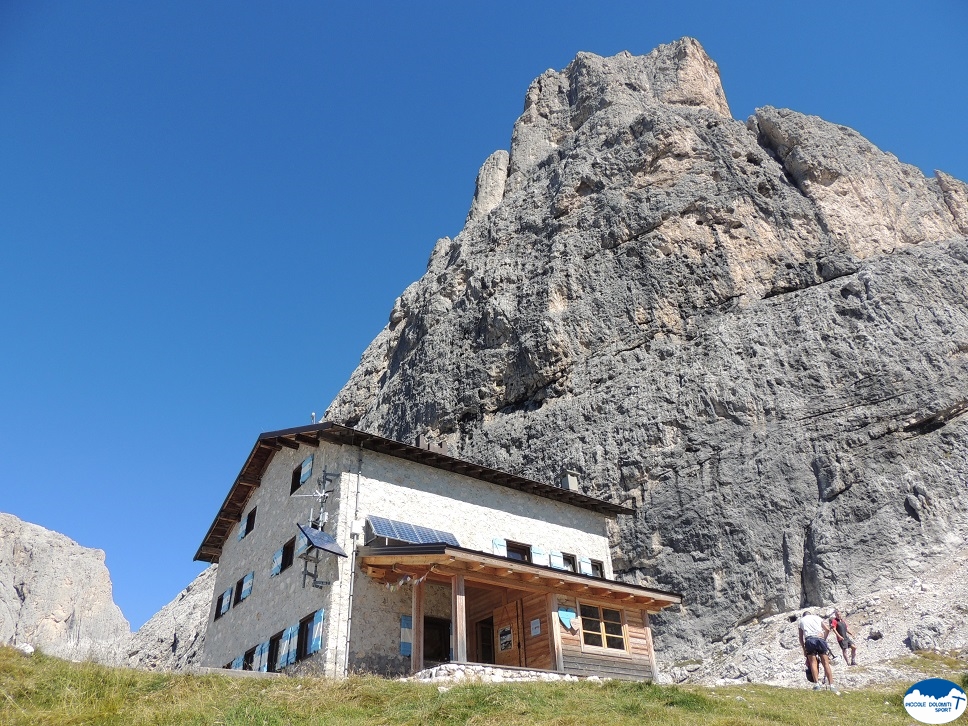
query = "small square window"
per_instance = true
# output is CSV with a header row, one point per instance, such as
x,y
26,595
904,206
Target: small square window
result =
x,y
571,563
598,569
602,627
519,552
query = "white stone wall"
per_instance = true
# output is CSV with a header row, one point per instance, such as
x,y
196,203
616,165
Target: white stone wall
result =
x,y
280,601
475,512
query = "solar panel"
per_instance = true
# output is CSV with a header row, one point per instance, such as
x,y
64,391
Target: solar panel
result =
x,y
322,540
412,533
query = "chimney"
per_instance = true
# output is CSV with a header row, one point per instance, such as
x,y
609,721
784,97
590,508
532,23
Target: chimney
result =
x,y
438,447
568,479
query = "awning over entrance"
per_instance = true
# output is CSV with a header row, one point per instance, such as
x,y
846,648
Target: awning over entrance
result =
x,y
510,599
441,563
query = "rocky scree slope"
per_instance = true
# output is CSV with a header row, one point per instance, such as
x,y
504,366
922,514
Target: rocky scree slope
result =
x,y
754,333
172,640
56,595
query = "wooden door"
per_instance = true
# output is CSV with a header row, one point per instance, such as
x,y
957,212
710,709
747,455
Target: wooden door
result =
x,y
507,635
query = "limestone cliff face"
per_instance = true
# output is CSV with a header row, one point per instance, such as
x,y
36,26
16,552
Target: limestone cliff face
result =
x,y
56,595
755,333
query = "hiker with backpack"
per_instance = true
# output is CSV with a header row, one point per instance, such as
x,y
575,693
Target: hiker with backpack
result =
x,y
844,637
813,632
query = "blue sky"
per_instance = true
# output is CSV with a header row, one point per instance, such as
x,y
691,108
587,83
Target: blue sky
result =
x,y
208,208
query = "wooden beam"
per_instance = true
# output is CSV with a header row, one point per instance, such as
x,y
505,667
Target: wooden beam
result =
x,y
417,612
271,444
458,611
308,440
287,443
557,657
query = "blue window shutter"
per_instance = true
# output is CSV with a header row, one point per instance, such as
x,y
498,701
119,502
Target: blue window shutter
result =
x,y
247,585
237,663
293,642
499,547
276,563
557,561
406,635
226,601
302,542
260,662
584,565
306,469
282,657
316,642
241,530
539,556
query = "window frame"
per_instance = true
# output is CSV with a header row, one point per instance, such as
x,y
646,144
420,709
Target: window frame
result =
x,y
304,637
598,569
567,558
248,659
624,651
248,523
519,548
273,654
288,555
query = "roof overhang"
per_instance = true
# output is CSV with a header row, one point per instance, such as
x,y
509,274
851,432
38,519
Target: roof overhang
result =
x,y
250,477
442,562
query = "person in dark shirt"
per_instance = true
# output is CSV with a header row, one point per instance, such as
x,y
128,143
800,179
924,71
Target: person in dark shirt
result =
x,y
844,637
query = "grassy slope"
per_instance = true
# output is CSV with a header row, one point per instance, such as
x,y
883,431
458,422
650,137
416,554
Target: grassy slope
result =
x,y
45,690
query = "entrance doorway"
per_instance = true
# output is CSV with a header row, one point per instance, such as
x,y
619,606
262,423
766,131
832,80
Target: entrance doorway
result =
x,y
436,640
485,640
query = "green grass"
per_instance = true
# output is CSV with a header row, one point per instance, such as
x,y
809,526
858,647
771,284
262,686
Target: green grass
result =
x,y
45,690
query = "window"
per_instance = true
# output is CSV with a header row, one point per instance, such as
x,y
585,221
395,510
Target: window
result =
x,y
288,553
602,627
274,642
248,524
598,569
570,563
223,603
248,659
519,552
243,588
305,638
301,473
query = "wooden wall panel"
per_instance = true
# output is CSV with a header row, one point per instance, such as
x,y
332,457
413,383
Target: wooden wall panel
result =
x,y
537,648
634,665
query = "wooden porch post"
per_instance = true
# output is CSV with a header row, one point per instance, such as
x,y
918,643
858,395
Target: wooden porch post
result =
x,y
417,647
458,613
557,658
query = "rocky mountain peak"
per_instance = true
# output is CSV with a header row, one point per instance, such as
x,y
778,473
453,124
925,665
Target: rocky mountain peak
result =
x,y
559,104
754,333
